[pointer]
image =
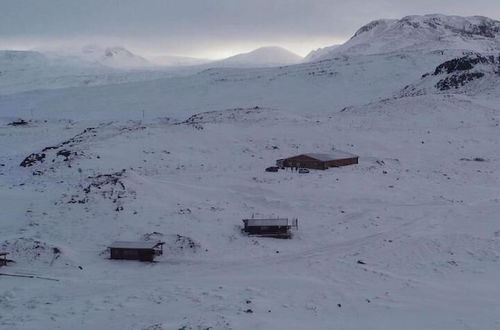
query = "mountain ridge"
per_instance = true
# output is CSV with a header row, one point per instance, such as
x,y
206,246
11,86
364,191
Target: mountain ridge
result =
x,y
422,32
261,57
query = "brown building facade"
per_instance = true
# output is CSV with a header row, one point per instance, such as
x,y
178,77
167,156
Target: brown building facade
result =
x,y
142,251
319,161
277,228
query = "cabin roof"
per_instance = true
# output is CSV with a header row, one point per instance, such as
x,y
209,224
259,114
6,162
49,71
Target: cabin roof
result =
x,y
135,244
266,222
336,154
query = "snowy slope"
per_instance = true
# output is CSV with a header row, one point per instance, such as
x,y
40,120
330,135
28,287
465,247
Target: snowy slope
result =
x,y
312,88
25,70
403,51
418,213
22,71
320,53
261,57
429,32
473,74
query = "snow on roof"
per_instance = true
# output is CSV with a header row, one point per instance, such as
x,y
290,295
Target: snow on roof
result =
x,y
337,154
134,245
266,222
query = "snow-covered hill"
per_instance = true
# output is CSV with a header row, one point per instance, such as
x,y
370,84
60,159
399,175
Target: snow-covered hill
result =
x,y
395,239
22,71
261,57
320,53
428,33
115,57
347,77
472,74
309,88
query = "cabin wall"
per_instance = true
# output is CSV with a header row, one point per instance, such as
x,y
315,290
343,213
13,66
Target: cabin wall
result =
x,y
304,162
132,254
342,162
267,230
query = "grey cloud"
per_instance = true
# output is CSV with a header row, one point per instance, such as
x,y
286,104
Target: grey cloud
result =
x,y
192,25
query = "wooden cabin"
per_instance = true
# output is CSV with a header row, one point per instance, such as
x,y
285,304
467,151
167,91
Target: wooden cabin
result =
x,y
141,250
278,228
319,161
3,258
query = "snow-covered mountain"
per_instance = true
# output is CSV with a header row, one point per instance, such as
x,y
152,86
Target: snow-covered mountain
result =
x,y
22,71
318,54
312,88
423,33
28,70
17,60
115,57
261,57
357,77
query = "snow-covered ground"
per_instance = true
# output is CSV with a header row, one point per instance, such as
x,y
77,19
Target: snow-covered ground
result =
x,y
309,88
22,71
418,211
407,239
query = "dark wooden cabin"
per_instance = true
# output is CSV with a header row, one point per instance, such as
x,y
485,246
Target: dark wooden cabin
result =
x,y
319,161
141,250
3,259
279,228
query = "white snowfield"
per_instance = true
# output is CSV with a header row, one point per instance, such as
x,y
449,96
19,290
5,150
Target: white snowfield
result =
x,y
407,239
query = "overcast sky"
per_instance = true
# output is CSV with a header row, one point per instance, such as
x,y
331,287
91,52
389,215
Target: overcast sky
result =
x,y
207,28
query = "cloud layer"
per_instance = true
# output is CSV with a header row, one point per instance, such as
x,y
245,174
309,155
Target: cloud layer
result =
x,y
207,27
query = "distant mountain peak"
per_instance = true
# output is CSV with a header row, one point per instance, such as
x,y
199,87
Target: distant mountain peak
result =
x,y
113,56
263,56
117,50
423,33
380,23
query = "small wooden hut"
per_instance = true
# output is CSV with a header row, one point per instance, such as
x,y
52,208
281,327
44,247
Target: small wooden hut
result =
x,y
319,161
141,250
278,228
3,258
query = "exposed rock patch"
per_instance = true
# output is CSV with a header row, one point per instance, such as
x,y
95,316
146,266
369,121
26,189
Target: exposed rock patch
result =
x,y
33,159
459,70
174,244
19,122
64,149
105,186
29,250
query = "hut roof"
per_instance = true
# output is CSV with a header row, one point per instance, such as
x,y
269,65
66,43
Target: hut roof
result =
x,y
135,245
336,154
